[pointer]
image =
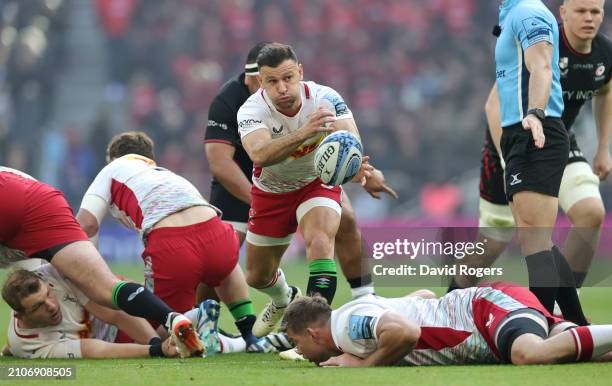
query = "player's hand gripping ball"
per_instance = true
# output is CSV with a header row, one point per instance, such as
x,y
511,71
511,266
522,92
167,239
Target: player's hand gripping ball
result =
x,y
338,158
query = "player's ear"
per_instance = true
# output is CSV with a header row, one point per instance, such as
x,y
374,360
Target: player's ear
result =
x,y
562,11
301,71
313,333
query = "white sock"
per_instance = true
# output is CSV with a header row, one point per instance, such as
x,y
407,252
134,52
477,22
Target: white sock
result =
x,y
602,339
230,345
278,289
358,292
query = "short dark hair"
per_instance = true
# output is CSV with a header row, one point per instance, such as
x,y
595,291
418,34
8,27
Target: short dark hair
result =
x,y
18,285
254,52
131,142
273,54
307,311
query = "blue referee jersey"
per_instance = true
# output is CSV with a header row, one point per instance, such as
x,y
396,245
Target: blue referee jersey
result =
x,y
524,23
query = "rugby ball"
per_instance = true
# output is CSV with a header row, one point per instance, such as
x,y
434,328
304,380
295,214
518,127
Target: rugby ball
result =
x,y
338,158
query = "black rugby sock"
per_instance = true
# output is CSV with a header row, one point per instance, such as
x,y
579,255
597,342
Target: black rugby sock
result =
x,y
136,300
567,297
543,278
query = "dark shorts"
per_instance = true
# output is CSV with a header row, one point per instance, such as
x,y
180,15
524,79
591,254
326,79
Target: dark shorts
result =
x,y
529,169
575,154
491,173
233,209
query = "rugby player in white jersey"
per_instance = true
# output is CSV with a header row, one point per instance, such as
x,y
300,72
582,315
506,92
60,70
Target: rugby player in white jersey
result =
x,y
185,241
38,223
500,323
52,318
280,127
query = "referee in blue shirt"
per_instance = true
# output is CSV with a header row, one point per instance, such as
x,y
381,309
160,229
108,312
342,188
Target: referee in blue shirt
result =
x,y
534,144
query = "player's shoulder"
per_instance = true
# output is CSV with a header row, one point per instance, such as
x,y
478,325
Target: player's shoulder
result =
x,y
255,106
232,92
603,44
532,12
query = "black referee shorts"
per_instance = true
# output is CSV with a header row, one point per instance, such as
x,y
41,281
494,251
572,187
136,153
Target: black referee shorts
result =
x,y
233,209
529,169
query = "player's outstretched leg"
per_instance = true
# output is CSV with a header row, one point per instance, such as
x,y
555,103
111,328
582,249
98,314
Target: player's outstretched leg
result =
x,y
82,264
578,344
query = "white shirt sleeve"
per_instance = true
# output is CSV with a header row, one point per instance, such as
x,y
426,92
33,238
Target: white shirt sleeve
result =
x,y
331,96
252,116
97,198
354,328
68,348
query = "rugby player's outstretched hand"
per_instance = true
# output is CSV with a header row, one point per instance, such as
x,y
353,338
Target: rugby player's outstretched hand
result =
x,y
375,185
318,122
365,171
344,360
602,164
531,122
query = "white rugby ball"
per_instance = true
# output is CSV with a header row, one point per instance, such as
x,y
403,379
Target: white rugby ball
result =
x,y
338,158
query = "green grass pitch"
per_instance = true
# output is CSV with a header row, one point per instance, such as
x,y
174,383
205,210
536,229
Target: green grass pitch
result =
x,y
268,369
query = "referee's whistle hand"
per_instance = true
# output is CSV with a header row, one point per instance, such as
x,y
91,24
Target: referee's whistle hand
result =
x,y
532,123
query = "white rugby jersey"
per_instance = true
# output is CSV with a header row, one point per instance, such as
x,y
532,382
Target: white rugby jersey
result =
x,y
138,193
448,332
63,340
297,170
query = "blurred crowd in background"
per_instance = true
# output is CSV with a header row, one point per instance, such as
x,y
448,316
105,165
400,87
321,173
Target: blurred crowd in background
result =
x,y
415,74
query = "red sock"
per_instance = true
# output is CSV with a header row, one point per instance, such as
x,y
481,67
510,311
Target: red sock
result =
x,y
583,341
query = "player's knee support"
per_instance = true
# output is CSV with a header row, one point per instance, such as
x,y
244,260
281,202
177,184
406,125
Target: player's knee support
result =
x,y
579,182
516,324
496,221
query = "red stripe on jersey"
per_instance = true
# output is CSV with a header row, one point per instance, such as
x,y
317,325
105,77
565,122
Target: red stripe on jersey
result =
x,y
18,334
218,141
125,199
256,171
306,91
437,338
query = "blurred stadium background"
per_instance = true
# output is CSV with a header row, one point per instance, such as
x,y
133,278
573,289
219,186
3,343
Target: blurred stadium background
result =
x,y
415,73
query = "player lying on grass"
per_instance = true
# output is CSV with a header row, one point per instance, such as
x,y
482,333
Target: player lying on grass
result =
x,y
37,223
52,318
500,323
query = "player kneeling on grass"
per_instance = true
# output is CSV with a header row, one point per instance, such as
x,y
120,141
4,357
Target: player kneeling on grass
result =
x,y
500,323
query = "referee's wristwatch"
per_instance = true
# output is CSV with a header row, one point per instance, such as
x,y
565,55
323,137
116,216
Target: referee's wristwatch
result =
x,y
538,113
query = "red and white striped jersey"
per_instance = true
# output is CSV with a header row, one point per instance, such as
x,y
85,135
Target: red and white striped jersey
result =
x,y
297,170
63,340
449,332
138,193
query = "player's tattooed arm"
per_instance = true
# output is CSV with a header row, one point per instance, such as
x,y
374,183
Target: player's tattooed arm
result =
x,y
602,111
266,151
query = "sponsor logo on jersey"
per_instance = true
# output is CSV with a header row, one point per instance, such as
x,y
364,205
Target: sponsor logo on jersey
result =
x,y
306,149
212,123
277,131
246,123
361,327
600,70
564,66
